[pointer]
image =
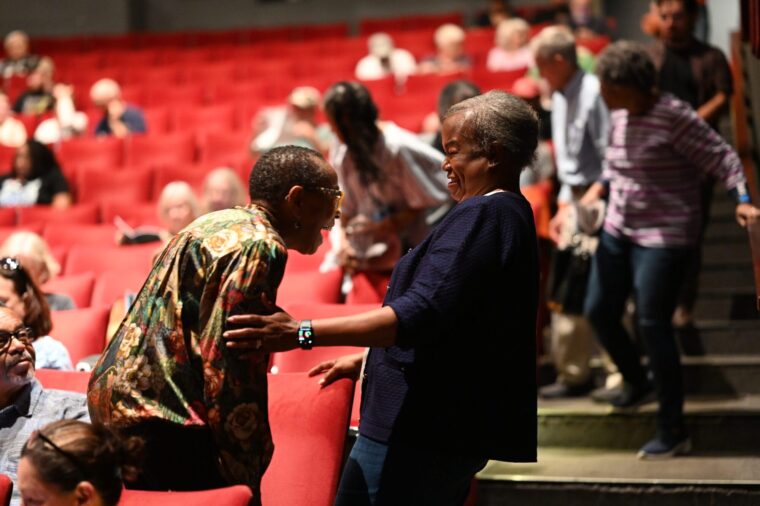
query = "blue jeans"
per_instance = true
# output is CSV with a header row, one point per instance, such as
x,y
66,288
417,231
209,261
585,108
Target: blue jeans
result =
x,y
654,276
378,474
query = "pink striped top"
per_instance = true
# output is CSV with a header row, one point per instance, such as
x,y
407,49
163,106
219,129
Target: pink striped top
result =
x,y
655,163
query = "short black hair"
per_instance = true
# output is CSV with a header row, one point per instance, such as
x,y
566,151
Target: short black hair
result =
x,y
690,6
627,63
455,92
281,168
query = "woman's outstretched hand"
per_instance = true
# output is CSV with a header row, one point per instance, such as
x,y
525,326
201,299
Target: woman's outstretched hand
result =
x,y
275,332
348,366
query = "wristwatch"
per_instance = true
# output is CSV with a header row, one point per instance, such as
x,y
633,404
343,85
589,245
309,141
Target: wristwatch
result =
x,y
305,335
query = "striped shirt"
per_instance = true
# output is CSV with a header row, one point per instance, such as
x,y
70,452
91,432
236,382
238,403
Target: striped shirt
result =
x,y
655,163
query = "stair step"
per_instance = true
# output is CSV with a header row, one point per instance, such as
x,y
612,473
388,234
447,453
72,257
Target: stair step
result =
x,y
726,304
577,477
720,337
727,275
736,249
716,424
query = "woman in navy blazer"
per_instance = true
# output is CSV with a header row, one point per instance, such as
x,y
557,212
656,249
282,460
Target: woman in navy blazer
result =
x,y
449,380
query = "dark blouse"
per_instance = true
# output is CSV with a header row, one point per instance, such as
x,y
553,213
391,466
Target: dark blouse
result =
x,y
462,375
50,185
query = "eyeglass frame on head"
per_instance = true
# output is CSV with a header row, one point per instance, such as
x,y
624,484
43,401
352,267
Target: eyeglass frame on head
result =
x,y
5,344
336,193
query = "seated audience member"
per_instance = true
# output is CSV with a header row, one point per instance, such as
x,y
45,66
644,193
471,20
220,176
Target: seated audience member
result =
x,y
584,22
497,11
450,57
177,208
291,124
166,375
76,463
12,131
384,59
35,179
119,119
453,93
222,189
36,258
18,61
511,51
658,153
66,121
38,97
19,292
24,405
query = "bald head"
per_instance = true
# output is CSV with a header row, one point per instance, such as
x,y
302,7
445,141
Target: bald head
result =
x,y
16,45
104,91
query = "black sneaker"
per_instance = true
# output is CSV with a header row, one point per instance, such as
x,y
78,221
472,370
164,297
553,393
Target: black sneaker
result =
x,y
665,446
626,396
561,390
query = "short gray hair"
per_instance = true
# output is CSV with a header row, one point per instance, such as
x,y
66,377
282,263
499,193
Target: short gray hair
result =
x,y
555,40
627,63
503,126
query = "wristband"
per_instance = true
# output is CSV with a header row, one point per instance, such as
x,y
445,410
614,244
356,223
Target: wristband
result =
x,y
305,335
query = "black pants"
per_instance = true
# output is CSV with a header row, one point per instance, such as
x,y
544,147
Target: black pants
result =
x,y
176,457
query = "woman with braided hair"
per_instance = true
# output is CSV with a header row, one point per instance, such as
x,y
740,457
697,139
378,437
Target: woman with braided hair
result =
x,y
391,179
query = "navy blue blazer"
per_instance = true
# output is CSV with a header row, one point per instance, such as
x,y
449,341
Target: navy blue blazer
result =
x,y
462,374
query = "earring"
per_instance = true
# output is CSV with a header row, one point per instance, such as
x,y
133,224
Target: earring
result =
x,y
296,224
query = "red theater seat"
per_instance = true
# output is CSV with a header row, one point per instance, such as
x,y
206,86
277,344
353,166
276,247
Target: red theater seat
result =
x,y
309,426
5,232
192,175
310,287
6,158
159,150
114,284
238,495
82,331
60,234
70,381
6,490
134,214
125,186
106,153
99,260
77,286
82,214
8,216
225,148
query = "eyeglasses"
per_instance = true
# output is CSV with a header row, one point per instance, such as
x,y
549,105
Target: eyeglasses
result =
x,y
23,334
77,463
333,192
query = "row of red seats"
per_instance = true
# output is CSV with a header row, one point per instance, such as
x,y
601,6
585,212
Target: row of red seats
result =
x,y
296,402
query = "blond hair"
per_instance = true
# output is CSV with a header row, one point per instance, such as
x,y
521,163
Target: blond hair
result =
x,y
31,248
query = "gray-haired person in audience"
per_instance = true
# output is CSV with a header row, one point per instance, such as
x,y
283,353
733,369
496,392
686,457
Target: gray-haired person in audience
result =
x,y
25,405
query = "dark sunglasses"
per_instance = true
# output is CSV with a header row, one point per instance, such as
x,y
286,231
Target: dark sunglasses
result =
x,y
23,334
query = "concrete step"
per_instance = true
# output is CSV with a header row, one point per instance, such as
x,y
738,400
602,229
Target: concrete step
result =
x,y
720,337
727,303
736,249
732,276
713,375
573,477
716,424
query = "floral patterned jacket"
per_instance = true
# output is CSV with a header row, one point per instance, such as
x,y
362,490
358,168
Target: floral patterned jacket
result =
x,y
167,360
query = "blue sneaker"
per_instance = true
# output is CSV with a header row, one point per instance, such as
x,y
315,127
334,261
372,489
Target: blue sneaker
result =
x,y
665,446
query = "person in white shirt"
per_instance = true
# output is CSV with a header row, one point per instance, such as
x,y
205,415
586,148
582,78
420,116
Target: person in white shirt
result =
x,y
385,59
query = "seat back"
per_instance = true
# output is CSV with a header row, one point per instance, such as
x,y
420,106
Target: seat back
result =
x,y
114,284
77,286
237,495
6,490
309,425
82,331
82,214
311,286
98,260
71,381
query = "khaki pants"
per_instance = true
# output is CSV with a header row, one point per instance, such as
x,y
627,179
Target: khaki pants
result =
x,y
572,345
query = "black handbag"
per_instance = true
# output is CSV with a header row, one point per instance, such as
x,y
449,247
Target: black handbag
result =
x,y
568,280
